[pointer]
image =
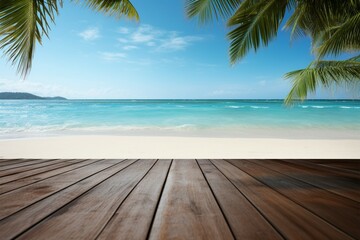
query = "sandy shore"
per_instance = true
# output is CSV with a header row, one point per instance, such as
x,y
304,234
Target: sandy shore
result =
x,y
177,147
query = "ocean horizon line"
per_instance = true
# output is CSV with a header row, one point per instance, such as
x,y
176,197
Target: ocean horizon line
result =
x,y
198,99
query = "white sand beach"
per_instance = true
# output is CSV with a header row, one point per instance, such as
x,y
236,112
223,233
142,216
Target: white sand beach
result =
x,y
177,147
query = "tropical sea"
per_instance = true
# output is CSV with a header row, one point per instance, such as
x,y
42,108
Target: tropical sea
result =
x,y
216,118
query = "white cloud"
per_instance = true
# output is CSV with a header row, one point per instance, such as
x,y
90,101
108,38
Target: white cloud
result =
x,y
129,47
175,42
123,30
145,33
157,39
123,40
90,34
140,37
112,56
146,37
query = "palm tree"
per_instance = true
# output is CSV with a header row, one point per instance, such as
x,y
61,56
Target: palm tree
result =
x,y
23,23
333,26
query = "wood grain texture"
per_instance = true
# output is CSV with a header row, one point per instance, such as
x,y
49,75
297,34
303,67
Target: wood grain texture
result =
x,y
133,219
20,175
336,210
25,168
11,203
244,219
324,168
5,162
343,164
19,164
15,184
292,220
17,223
336,182
182,199
354,167
187,209
90,213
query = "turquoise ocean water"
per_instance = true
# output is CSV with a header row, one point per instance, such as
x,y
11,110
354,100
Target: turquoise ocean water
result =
x,y
22,118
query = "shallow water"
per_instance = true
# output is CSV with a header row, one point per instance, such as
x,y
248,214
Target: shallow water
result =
x,y
42,117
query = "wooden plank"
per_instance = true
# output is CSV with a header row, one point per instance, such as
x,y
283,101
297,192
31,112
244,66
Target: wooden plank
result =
x,y
343,164
244,219
24,163
29,167
17,176
187,208
337,210
333,182
91,211
6,162
327,161
7,159
10,186
289,218
133,219
305,164
19,222
11,202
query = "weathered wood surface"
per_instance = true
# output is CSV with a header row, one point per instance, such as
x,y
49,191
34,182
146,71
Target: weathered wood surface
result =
x,y
341,183
188,208
179,199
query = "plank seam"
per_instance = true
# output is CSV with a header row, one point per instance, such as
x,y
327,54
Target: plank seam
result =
x,y
9,162
41,161
60,189
317,167
40,172
350,171
328,190
158,202
256,208
51,176
113,214
217,202
31,165
44,218
298,203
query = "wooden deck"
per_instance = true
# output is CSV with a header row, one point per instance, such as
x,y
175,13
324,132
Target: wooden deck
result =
x,y
179,199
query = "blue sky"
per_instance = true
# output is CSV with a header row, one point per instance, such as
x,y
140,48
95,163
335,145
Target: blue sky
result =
x,y
165,55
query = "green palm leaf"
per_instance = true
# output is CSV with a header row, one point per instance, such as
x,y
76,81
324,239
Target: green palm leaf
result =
x,y
115,8
322,73
206,9
345,37
313,17
255,25
22,24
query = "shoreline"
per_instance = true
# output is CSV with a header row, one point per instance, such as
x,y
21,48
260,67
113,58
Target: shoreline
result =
x,y
162,147
244,132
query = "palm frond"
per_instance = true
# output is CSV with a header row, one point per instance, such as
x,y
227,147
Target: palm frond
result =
x,y
295,21
312,17
255,25
115,8
207,9
22,24
345,37
322,73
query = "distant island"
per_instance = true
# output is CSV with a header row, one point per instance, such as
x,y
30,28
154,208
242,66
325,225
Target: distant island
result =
x,y
24,95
